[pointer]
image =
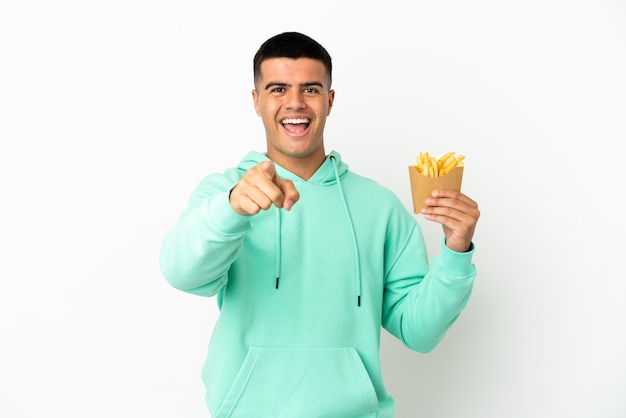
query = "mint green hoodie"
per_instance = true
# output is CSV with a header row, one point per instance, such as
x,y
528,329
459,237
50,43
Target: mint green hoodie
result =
x,y
303,293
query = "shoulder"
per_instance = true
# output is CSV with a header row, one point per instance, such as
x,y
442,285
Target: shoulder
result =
x,y
226,179
368,184
221,181
370,193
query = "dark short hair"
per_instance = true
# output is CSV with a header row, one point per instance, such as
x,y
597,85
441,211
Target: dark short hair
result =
x,y
292,45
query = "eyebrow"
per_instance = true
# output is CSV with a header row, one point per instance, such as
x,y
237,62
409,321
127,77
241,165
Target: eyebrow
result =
x,y
272,84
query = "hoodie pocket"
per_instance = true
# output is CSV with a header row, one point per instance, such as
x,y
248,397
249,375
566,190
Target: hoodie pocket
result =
x,y
301,382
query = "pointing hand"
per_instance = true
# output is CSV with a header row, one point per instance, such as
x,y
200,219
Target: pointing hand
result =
x,y
261,187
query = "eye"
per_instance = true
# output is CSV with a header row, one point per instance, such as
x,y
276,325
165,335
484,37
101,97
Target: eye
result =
x,y
311,90
278,90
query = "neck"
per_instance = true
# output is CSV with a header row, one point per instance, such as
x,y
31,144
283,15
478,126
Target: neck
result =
x,y
303,167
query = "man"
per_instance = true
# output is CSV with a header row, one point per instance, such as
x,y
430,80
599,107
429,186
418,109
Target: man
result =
x,y
308,260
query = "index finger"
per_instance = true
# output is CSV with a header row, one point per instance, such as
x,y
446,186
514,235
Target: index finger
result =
x,y
269,183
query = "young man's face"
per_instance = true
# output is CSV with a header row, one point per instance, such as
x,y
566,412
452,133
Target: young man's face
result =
x,y
293,98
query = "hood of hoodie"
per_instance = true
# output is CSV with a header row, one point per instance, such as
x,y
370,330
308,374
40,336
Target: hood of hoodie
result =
x,y
325,174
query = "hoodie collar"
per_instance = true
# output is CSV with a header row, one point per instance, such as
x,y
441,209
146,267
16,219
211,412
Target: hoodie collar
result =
x,y
325,175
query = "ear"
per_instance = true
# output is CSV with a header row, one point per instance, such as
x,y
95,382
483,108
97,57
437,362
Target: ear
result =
x,y
331,100
255,99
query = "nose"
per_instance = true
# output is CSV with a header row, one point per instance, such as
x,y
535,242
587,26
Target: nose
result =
x,y
295,99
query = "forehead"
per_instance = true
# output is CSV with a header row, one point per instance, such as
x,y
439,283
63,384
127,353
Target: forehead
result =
x,y
290,70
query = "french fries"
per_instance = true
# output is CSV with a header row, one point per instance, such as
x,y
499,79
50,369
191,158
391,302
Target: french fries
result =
x,y
430,166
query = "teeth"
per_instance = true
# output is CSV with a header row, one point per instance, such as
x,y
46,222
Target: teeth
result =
x,y
295,121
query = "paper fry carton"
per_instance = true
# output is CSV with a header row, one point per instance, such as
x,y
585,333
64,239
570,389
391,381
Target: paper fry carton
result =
x,y
422,186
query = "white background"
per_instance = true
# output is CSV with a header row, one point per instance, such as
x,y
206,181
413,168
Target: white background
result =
x,y
111,112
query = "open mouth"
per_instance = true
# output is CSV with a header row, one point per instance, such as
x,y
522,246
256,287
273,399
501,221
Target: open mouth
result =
x,y
296,126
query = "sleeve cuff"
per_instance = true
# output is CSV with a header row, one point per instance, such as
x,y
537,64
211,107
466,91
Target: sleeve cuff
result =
x,y
454,263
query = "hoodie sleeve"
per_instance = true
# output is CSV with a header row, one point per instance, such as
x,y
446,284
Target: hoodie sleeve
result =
x,y
197,253
422,303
